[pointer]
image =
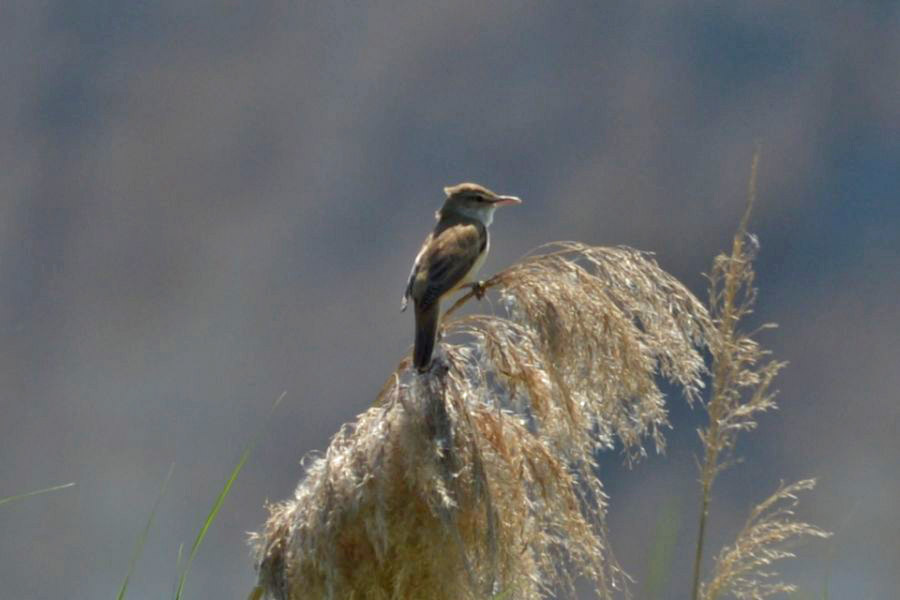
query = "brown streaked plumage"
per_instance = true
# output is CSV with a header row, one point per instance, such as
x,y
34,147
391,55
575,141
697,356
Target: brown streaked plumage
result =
x,y
449,259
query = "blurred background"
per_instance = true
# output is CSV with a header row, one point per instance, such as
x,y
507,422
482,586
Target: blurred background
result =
x,y
205,204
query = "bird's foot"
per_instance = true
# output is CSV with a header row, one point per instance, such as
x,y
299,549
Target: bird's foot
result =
x,y
478,289
437,366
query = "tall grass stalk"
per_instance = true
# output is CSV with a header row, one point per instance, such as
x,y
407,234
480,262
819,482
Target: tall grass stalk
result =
x,y
220,500
731,297
659,557
54,488
142,538
742,377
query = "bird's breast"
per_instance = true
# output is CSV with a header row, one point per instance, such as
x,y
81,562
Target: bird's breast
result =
x,y
472,275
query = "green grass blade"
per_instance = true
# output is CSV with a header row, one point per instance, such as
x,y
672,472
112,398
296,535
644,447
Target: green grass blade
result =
x,y
659,564
36,493
139,547
177,567
217,505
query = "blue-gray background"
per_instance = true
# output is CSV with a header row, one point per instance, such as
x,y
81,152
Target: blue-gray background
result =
x,y
204,204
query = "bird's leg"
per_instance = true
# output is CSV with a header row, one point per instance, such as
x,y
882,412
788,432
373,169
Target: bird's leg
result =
x,y
478,289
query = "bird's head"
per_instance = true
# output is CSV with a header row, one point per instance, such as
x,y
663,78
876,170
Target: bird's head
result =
x,y
474,201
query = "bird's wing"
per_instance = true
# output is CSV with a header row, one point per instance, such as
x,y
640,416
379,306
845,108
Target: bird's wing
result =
x,y
407,292
446,259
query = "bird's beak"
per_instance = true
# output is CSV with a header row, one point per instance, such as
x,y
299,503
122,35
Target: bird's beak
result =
x,y
507,200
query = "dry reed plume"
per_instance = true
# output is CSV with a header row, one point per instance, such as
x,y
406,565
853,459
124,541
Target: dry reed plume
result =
x,y
479,478
742,377
743,568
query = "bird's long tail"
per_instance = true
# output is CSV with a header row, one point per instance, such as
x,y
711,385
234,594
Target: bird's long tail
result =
x,y
426,333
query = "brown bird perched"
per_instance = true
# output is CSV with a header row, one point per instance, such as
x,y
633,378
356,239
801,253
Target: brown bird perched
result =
x,y
450,259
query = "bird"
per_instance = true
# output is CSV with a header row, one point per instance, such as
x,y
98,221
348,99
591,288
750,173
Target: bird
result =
x,y
450,259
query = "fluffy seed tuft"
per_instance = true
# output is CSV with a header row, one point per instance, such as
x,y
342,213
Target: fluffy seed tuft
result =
x,y
478,479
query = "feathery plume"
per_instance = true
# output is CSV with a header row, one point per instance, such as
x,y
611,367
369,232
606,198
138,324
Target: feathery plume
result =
x,y
479,478
742,377
743,568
